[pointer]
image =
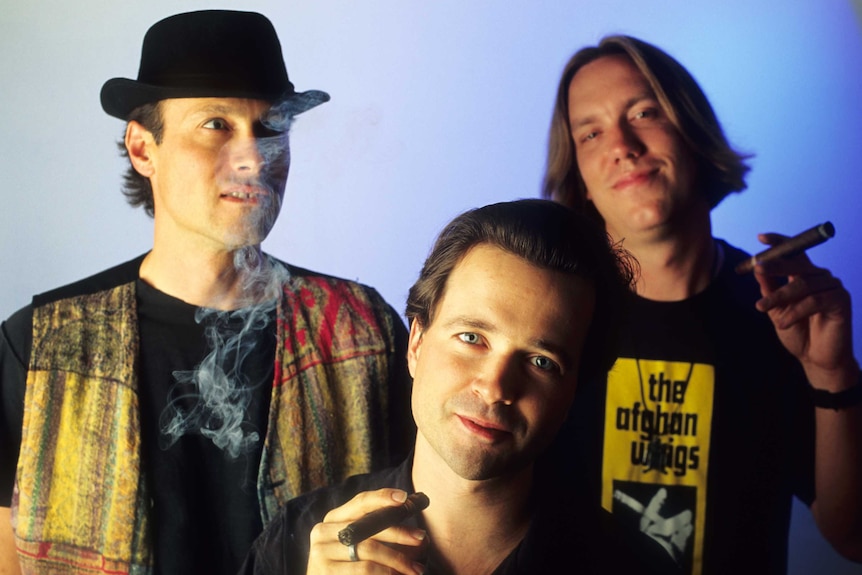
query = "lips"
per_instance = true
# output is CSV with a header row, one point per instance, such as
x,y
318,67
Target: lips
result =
x,y
486,430
635,178
245,193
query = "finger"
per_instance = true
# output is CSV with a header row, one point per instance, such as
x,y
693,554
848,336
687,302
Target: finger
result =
x,y
768,283
789,265
366,502
396,535
800,288
790,248
781,249
771,238
370,556
376,552
787,317
776,274
831,304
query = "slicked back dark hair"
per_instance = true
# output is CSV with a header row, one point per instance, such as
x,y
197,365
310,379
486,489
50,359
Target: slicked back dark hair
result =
x,y
547,235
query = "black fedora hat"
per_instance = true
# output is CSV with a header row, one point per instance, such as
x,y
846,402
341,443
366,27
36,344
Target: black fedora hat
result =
x,y
210,53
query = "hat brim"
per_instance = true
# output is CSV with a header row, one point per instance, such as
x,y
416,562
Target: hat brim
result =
x,y
120,96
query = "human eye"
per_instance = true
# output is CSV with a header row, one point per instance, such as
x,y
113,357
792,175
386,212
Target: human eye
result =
x,y
544,363
586,135
647,113
264,132
470,337
216,124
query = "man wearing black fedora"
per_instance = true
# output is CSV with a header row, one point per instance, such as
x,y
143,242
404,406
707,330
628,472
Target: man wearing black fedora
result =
x,y
161,411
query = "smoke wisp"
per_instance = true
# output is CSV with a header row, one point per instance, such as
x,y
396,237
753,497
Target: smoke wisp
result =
x,y
213,399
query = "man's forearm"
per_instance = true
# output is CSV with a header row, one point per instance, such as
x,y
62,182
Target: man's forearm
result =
x,y
837,507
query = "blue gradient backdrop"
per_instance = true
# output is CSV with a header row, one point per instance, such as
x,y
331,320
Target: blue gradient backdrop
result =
x,y
436,107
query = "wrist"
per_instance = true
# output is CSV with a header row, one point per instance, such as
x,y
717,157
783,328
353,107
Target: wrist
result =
x,y
846,398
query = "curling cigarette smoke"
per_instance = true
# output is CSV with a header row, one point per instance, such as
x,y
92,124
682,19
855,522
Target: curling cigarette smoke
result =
x,y
212,400
221,392
218,391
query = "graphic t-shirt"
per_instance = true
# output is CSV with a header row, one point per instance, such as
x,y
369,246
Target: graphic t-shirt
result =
x,y
702,432
657,437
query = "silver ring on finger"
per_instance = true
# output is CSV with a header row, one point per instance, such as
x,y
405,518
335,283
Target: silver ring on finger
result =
x,y
351,550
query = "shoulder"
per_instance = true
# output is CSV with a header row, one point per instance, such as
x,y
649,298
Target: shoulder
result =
x,y
16,335
116,276
302,276
328,294
732,255
18,329
742,288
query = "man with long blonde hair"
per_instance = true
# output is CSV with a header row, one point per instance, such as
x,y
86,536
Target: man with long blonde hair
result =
x,y
732,393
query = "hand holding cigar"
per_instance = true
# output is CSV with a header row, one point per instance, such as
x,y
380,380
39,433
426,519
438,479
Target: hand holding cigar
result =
x,y
791,246
381,519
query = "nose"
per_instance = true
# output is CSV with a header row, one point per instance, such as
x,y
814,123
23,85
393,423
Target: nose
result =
x,y
498,381
246,156
625,144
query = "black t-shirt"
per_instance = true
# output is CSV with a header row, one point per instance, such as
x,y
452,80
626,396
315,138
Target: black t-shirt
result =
x,y
15,336
205,506
205,511
567,533
703,431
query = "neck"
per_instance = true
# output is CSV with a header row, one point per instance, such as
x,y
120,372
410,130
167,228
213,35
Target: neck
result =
x,y
676,266
224,280
472,524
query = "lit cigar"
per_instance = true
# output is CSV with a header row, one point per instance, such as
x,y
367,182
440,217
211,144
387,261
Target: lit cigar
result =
x,y
798,243
381,519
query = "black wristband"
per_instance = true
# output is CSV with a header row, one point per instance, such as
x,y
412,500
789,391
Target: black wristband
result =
x,y
839,400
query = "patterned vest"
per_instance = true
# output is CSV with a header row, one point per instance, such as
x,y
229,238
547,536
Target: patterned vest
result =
x,y
80,502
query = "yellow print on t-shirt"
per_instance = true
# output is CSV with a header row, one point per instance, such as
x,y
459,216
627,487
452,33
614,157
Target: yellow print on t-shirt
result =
x,y
658,421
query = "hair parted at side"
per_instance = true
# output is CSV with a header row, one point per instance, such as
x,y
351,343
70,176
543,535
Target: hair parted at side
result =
x,y
547,235
721,169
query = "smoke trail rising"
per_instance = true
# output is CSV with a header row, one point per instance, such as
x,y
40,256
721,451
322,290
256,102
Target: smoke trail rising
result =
x,y
218,393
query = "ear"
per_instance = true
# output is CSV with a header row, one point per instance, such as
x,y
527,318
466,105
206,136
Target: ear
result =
x,y
139,143
414,345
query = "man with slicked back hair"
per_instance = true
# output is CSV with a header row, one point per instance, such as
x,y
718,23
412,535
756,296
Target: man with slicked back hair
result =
x,y
517,303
